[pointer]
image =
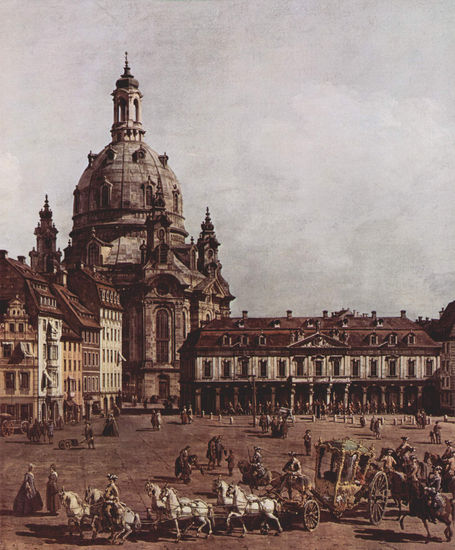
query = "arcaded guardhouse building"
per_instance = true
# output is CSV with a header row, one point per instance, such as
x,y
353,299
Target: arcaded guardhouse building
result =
x,y
344,357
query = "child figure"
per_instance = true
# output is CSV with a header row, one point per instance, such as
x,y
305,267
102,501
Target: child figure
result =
x,y
230,462
432,440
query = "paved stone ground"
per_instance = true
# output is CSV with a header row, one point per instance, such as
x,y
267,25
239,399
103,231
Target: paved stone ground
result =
x,y
141,453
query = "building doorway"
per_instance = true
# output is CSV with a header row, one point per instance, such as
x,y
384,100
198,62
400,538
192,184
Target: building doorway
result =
x,y
163,387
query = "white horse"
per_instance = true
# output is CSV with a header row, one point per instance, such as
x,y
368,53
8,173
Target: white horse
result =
x,y
184,508
252,506
128,519
220,488
153,490
77,512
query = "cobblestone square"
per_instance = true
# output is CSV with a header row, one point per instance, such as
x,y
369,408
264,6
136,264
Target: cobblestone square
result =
x,y
140,453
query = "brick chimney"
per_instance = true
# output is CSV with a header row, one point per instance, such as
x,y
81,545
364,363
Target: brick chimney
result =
x,y
244,314
403,314
373,315
21,259
325,314
3,254
441,313
289,314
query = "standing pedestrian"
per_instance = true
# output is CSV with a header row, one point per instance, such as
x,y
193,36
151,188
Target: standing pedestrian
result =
x,y
307,442
52,498
437,432
50,431
230,461
89,437
28,500
159,420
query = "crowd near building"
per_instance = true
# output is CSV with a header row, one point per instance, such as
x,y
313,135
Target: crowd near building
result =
x,y
134,310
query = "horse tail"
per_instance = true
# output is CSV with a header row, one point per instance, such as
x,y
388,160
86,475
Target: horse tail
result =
x,y
211,513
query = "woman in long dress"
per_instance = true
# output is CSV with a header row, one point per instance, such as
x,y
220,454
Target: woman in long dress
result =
x,y
52,498
28,499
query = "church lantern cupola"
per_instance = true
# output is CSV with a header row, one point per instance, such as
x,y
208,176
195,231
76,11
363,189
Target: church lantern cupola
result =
x,y
127,99
45,258
207,246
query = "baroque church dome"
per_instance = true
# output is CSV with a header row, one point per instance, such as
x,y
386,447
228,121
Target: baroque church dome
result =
x,y
117,190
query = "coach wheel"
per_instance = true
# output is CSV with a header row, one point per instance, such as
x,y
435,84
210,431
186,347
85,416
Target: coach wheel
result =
x,y
311,514
377,498
61,445
24,426
67,444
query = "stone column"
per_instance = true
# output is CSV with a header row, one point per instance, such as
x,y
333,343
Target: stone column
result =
x,y
217,399
292,396
346,396
364,395
310,395
383,394
273,397
236,397
327,397
400,398
198,403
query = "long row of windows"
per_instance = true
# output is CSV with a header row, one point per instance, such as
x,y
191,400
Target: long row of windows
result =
x,y
307,369
72,362
111,380
111,356
91,358
91,336
111,334
261,339
10,380
91,383
71,346
16,327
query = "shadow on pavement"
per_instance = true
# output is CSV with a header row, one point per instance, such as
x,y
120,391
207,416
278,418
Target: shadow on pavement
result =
x,y
387,535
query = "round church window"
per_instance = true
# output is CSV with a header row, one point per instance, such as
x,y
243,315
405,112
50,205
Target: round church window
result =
x,y
162,288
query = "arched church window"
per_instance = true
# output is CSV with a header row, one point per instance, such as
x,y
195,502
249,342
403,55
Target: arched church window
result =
x,y
148,196
77,202
184,324
93,254
105,196
162,336
176,202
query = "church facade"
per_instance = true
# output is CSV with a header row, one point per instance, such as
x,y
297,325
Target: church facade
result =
x,y
128,225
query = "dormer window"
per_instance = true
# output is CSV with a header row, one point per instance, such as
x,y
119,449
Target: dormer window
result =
x,y
240,323
226,340
244,340
344,323
139,155
110,154
373,339
276,323
262,340
411,339
310,323
392,339
379,322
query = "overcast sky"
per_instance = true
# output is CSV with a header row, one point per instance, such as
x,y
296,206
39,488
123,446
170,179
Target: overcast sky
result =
x,y
320,134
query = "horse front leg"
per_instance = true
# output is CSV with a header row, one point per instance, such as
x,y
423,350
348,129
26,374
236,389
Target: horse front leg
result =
x,y
425,523
179,535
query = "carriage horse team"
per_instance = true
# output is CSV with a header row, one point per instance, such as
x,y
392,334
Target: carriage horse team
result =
x,y
417,484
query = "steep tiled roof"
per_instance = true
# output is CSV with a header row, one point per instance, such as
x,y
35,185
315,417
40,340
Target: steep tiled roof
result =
x,y
283,332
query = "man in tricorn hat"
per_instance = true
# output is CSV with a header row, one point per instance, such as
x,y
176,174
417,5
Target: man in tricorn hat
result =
x,y
111,505
404,447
